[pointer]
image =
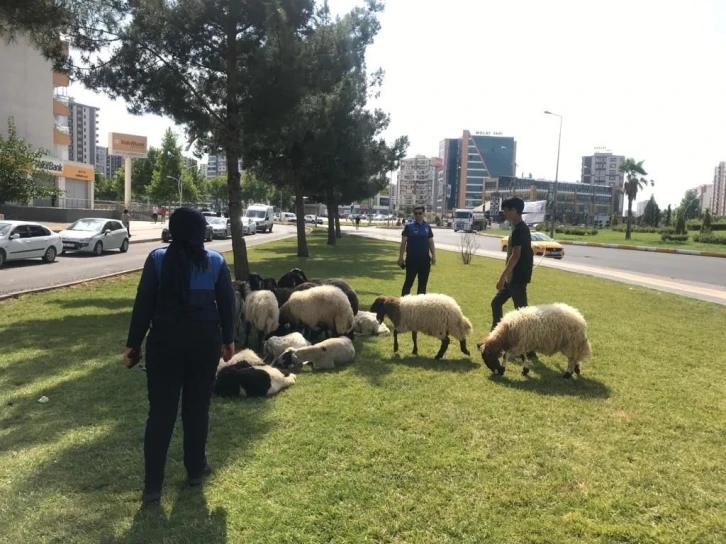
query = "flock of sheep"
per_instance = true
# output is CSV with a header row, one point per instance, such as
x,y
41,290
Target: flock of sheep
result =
x,y
312,322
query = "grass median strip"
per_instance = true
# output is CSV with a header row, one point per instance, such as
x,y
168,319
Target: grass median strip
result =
x,y
390,449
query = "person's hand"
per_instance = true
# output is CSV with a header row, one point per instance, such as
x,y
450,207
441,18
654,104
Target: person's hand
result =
x,y
227,351
500,284
128,361
433,259
400,262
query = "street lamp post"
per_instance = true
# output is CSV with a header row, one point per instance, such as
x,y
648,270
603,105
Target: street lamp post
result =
x,y
179,185
557,174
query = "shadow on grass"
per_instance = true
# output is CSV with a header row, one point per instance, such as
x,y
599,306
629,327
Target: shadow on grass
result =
x,y
463,364
121,303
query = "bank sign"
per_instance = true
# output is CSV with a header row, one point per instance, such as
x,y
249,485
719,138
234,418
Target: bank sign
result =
x,y
51,166
127,145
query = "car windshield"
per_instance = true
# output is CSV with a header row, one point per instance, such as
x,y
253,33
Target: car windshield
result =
x,y
87,225
5,228
217,221
462,215
258,214
538,236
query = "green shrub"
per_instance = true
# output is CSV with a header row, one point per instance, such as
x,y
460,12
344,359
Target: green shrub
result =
x,y
651,230
575,231
709,238
681,224
667,237
698,225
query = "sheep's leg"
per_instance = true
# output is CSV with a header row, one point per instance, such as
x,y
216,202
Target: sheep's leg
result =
x,y
577,368
395,341
414,335
443,348
248,330
571,364
525,365
462,345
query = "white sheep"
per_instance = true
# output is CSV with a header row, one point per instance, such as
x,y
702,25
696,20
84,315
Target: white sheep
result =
x,y
242,379
325,355
322,307
546,329
433,314
276,345
366,324
261,312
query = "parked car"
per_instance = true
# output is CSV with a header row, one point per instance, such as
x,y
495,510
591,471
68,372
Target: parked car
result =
x,y
313,219
21,240
95,235
541,245
208,234
261,214
221,227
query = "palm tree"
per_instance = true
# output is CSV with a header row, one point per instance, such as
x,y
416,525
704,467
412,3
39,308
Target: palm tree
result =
x,y
634,181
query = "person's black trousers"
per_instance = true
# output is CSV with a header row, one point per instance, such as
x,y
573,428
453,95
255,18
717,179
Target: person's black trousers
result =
x,y
181,358
422,269
518,293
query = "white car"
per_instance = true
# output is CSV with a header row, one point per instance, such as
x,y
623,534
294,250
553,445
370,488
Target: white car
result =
x,y
26,240
249,226
95,235
220,227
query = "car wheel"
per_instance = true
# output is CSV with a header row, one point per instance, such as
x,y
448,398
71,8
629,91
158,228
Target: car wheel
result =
x,y
2,257
504,248
98,249
226,234
165,237
270,228
124,246
50,255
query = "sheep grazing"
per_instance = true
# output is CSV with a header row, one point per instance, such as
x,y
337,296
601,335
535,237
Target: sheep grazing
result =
x,y
325,355
322,307
432,314
243,379
295,278
366,324
546,329
261,312
276,345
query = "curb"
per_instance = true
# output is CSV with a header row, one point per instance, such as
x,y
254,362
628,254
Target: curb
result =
x,y
651,249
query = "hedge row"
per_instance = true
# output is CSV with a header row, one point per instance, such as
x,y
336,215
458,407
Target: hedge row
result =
x,y
696,225
576,231
667,237
638,228
709,238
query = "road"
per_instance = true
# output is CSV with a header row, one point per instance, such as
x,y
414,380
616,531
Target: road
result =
x,y
18,276
697,277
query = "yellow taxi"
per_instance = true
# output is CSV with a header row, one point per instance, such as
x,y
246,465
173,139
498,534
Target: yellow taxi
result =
x,y
541,245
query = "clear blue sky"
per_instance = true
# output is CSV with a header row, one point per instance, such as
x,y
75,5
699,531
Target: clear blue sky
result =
x,y
642,77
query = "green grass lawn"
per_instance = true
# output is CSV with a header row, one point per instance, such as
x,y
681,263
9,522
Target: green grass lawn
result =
x,y
649,239
390,449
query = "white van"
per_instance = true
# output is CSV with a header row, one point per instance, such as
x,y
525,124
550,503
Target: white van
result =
x,y
262,215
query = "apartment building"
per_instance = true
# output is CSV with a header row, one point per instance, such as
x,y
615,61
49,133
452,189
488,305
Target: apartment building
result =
x,y
718,200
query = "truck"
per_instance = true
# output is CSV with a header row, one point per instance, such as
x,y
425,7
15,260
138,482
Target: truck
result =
x,y
469,220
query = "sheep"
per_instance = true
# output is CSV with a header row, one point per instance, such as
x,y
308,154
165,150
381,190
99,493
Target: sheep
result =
x,y
546,329
325,355
261,311
366,324
281,293
295,278
433,314
292,279
240,379
275,346
322,307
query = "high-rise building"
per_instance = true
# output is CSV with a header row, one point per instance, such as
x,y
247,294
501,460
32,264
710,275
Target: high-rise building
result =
x,y
603,168
718,200
83,127
107,164
416,182
705,196
36,97
217,166
448,176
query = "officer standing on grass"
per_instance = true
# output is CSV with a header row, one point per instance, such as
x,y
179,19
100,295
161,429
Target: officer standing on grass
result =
x,y
417,240
185,296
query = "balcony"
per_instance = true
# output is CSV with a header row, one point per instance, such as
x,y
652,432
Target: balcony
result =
x,y
59,108
61,80
61,136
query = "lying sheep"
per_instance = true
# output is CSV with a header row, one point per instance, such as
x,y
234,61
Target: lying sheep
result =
x,y
325,355
261,312
243,379
322,307
546,329
432,314
366,324
247,356
276,345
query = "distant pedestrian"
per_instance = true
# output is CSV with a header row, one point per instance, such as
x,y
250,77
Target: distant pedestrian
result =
x,y
126,221
185,293
162,211
155,213
417,240
517,273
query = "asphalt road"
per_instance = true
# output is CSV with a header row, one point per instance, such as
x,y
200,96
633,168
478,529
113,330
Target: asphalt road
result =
x,y
18,276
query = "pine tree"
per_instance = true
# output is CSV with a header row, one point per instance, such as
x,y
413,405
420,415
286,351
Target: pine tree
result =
x,y
706,225
668,216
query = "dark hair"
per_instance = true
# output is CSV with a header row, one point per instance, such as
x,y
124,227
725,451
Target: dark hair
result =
x,y
422,208
185,253
514,203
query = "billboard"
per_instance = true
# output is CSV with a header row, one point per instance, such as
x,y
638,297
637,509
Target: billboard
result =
x,y
127,145
79,172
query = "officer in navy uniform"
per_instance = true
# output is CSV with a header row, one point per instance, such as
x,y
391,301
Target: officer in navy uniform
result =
x,y
417,240
185,294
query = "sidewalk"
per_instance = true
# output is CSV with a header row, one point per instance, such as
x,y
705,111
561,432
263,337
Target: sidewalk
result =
x,y
141,231
652,249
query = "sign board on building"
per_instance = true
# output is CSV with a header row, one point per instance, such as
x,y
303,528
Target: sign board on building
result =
x,y
127,145
488,133
52,166
79,172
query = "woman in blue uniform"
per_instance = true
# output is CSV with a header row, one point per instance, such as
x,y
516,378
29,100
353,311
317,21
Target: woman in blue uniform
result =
x,y
185,298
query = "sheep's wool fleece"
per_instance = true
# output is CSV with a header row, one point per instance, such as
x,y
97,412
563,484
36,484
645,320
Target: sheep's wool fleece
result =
x,y
246,355
275,346
324,304
433,314
366,324
547,329
328,353
262,312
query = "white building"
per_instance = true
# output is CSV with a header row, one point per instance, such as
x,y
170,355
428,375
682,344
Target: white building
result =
x,y
36,97
603,168
217,166
718,199
83,130
640,208
705,196
416,182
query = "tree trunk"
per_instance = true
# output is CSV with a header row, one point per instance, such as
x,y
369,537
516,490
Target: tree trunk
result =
x,y
232,147
331,218
302,243
630,217
337,224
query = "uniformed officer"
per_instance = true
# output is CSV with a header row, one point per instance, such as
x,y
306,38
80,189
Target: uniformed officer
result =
x,y
417,240
185,294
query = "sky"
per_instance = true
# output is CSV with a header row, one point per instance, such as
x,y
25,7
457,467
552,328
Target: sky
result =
x,y
639,77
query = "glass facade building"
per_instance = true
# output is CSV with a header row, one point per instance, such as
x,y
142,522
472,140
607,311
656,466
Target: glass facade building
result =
x,y
483,156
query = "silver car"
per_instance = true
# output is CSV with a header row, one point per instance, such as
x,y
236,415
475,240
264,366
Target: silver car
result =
x,y
220,227
21,240
95,235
